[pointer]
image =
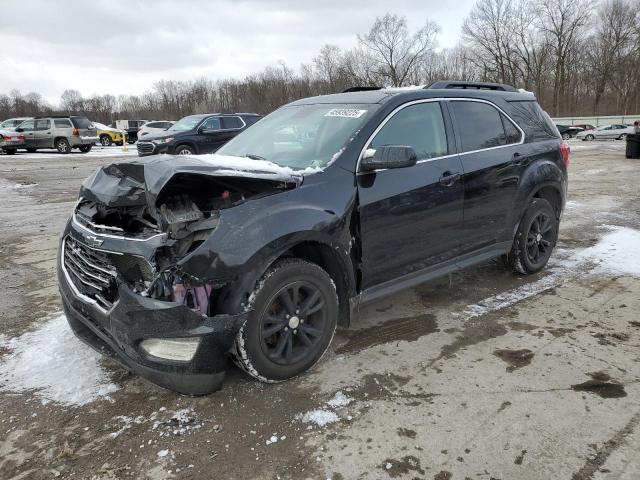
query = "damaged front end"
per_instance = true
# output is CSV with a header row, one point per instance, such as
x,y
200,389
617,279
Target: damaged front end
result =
x,y
125,285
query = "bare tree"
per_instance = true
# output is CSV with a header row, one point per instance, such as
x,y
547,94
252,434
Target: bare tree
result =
x,y
395,52
564,21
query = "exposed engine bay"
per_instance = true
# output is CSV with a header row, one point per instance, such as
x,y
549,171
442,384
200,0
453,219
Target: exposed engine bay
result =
x,y
183,211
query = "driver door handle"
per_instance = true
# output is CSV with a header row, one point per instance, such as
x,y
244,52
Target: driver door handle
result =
x,y
449,178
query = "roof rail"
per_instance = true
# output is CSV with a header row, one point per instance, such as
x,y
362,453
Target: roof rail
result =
x,y
500,87
361,89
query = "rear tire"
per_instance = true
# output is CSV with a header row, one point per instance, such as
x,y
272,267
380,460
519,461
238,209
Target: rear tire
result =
x,y
31,150
62,145
293,318
10,151
566,136
589,138
85,148
105,140
622,137
535,239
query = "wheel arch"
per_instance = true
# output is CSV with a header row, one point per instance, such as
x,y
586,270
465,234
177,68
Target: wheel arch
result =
x,y
188,143
319,251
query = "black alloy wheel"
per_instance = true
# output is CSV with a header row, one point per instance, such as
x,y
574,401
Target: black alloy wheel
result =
x,y
535,238
540,238
293,316
293,323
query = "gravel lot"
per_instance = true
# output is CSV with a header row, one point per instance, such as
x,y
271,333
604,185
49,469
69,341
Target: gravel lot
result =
x,y
481,375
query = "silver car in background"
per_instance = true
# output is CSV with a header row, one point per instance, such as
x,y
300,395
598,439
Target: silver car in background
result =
x,y
11,123
154,127
63,133
606,132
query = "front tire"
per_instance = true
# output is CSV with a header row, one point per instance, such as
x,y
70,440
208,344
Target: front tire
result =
x,y
566,136
62,145
535,239
589,138
31,150
622,137
184,150
105,140
292,322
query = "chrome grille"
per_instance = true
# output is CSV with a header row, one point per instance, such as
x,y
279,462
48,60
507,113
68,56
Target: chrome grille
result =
x,y
145,148
91,272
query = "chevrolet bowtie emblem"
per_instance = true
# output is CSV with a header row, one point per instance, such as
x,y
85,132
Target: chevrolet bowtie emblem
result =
x,y
93,241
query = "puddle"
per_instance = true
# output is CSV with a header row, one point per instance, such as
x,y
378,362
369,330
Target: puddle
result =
x,y
520,458
515,358
408,329
601,385
443,475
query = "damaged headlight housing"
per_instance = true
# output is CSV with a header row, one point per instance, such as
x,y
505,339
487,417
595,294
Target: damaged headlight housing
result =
x,y
176,349
162,141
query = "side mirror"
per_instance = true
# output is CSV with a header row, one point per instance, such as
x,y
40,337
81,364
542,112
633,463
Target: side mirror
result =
x,y
389,156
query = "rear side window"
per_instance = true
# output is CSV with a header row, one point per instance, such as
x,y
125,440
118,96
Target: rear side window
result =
x,y
420,126
479,124
533,120
80,122
512,134
43,124
250,120
231,122
62,123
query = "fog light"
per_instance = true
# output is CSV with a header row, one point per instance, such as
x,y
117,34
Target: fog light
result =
x,y
180,349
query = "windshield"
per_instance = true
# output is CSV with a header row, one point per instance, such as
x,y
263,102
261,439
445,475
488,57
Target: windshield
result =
x,y
300,136
186,123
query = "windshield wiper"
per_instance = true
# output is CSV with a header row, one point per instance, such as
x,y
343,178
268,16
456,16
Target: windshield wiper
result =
x,y
253,156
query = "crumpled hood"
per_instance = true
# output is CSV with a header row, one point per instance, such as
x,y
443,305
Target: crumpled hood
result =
x,y
139,181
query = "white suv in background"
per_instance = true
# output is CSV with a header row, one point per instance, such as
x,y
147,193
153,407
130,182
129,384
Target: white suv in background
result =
x,y
154,127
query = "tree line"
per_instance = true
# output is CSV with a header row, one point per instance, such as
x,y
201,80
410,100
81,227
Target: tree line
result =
x,y
580,57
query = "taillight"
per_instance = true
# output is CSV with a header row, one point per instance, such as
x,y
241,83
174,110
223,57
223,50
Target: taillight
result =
x,y
20,138
75,132
565,150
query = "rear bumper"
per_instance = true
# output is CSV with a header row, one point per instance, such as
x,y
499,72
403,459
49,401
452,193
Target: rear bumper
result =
x,y
79,141
11,144
134,318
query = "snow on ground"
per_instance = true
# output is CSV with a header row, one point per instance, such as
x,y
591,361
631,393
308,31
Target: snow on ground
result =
x,y
320,417
616,253
54,363
339,400
112,151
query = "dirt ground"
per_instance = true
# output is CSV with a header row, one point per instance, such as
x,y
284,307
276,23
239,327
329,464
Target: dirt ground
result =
x,y
480,375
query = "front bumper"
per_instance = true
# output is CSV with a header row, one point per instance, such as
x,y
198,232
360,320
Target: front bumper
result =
x,y
133,318
146,148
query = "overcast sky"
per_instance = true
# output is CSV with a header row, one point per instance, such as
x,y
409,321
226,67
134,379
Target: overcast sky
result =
x,y
124,46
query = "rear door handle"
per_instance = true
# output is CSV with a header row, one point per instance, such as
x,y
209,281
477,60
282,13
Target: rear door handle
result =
x,y
449,178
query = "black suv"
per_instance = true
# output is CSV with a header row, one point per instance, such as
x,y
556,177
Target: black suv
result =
x,y
172,264
197,134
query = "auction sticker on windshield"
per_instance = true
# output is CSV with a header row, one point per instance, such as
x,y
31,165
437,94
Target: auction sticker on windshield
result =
x,y
345,112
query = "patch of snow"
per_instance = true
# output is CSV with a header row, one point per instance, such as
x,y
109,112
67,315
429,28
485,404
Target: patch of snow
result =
x,y
320,417
616,253
55,364
163,453
339,400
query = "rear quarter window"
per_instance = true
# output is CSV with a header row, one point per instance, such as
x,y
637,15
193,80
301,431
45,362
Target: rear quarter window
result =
x,y
535,122
80,122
